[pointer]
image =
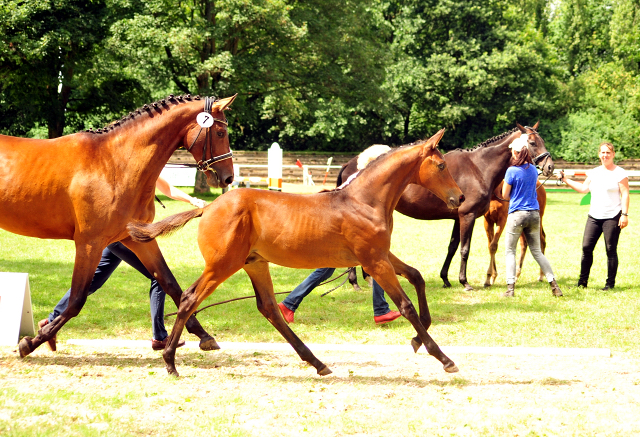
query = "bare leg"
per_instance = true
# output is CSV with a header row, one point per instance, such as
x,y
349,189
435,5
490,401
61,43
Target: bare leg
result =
x,y
258,272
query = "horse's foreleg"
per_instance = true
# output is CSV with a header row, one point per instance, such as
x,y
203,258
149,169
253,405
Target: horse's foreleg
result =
x,y
367,277
453,247
466,232
523,252
543,246
415,278
150,255
258,272
383,272
353,279
86,261
491,273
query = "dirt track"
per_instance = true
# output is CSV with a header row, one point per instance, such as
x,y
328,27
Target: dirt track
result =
x,y
273,394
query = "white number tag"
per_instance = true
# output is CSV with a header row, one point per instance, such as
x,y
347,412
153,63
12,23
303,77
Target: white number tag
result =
x,y
204,119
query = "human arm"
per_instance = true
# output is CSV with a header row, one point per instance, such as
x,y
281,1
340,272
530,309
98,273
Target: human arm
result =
x,y
624,200
579,187
506,191
174,193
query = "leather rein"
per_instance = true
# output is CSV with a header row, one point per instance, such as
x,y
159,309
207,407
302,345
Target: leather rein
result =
x,y
205,164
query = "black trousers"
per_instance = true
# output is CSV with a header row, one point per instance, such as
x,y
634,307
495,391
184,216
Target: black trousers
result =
x,y
592,231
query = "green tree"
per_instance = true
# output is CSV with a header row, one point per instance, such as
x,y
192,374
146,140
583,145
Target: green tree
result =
x,y
52,72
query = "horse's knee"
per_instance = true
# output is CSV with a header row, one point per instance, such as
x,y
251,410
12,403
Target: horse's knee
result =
x,y
464,253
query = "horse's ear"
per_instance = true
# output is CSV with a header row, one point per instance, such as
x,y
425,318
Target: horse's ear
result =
x,y
522,129
225,103
535,126
432,142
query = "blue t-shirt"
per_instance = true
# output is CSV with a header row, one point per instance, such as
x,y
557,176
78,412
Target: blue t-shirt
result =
x,y
523,183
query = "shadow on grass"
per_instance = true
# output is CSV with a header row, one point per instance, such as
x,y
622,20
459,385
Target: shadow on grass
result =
x,y
98,364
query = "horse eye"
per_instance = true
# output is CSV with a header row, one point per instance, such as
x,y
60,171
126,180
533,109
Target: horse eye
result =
x,y
441,166
220,134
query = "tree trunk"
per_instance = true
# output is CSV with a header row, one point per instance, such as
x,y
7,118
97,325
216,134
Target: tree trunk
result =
x,y
201,186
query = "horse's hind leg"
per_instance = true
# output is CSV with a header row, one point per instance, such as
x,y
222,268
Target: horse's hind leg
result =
x,y
150,255
258,271
86,261
493,247
384,274
353,279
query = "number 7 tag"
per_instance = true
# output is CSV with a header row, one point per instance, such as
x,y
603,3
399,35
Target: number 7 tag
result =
x,y
204,119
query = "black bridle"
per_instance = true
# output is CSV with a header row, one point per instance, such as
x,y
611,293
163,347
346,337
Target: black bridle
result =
x,y
541,156
205,164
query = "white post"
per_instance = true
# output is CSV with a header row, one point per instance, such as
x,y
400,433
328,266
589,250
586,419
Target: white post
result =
x,y
305,175
275,167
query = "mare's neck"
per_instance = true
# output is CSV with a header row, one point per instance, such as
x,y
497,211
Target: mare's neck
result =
x,y
494,159
382,185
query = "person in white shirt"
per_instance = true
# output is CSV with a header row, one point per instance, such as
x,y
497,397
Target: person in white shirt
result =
x,y
608,214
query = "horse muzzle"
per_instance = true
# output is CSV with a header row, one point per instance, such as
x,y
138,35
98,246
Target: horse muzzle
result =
x,y
454,203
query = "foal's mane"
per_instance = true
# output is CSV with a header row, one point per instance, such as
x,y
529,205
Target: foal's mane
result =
x,y
158,106
491,140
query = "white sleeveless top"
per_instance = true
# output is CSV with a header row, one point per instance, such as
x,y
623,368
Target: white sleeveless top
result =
x,y
605,192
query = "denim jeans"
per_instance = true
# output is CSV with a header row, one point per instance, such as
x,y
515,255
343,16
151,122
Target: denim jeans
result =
x,y
529,223
294,299
111,258
592,231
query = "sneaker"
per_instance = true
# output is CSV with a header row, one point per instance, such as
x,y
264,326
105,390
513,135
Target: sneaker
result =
x,y
52,341
555,289
286,313
511,290
158,345
386,318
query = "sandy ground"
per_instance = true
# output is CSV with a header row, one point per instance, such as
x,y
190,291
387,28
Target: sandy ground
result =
x,y
275,394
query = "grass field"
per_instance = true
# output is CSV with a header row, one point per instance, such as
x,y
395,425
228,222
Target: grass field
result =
x,y
490,396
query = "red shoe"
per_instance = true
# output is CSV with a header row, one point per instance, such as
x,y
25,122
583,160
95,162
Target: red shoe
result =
x,y
286,313
52,341
386,318
158,345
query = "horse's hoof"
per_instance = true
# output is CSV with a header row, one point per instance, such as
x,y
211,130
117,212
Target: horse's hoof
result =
x,y
324,371
451,368
416,343
468,287
357,288
171,370
25,347
209,344
487,285
446,284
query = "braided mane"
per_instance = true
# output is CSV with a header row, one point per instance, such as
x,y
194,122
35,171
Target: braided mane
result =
x,y
492,140
146,109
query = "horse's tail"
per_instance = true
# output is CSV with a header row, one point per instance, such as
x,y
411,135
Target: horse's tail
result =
x,y
144,232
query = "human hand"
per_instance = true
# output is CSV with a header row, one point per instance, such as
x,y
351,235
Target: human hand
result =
x,y
199,203
560,175
623,222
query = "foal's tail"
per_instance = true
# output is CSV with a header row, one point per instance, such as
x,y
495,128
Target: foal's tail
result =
x,y
144,232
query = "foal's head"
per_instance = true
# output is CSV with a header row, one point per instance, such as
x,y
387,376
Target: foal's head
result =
x,y
435,176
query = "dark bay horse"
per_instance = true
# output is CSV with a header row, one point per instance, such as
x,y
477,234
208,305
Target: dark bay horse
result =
x,y
494,221
248,229
87,186
477,172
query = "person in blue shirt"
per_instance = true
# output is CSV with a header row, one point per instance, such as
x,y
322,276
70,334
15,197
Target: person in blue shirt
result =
x,y
524,213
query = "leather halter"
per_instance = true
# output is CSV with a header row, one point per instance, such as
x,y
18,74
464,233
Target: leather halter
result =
x,y
205,164
541,156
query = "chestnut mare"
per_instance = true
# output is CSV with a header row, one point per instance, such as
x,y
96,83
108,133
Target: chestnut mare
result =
x,y
87,186
247,229
494,222
478,172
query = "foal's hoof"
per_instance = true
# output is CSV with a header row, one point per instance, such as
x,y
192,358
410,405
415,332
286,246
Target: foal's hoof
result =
x,y
468,287
25,347
416,343
171,370
451,368
209,344
324,371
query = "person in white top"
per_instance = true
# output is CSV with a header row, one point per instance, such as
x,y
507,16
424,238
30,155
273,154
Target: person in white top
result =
x,y
608,214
